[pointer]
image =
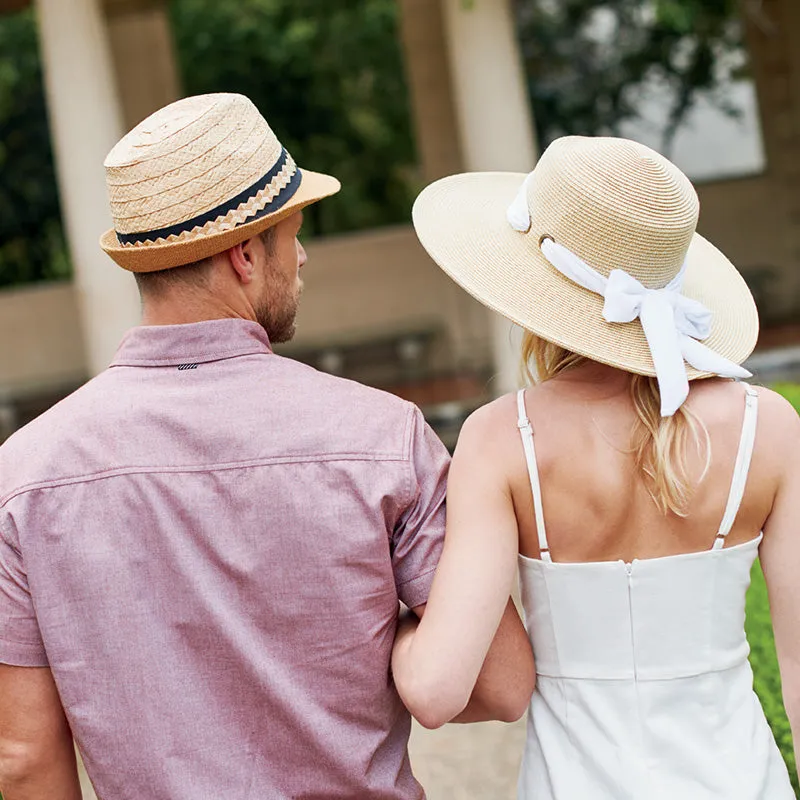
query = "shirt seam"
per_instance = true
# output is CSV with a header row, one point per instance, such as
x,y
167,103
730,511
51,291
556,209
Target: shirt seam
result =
x,y
191,469
417,577
7,539
408,436
36,645
199,358
407,432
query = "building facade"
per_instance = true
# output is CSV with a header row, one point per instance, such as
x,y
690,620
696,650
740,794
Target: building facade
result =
x,y
375,308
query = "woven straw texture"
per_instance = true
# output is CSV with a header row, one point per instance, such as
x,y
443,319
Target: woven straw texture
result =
x,y
614,203
188,159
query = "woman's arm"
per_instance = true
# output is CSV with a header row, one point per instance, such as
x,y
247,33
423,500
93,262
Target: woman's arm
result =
x,y
505,683
780,552
437,663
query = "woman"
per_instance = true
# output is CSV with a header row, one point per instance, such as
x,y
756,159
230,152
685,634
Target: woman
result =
x,y
633,505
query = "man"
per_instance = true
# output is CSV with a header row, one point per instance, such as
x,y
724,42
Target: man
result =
x,y
202,549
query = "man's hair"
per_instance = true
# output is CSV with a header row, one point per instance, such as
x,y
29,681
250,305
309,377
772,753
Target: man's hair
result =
x,y
196,274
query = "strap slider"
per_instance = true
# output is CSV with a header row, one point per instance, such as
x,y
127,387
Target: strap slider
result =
x,y
523,424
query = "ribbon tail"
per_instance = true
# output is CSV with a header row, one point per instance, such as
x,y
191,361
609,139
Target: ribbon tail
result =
x,y
518,215
658,323
706,360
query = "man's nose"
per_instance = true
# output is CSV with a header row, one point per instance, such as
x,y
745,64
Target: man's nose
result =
x,y
302,256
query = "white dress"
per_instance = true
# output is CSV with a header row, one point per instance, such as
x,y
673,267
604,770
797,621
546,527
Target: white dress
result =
x,y
644,690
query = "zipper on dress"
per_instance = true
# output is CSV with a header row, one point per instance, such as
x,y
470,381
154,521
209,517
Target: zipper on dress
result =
x,y
629,572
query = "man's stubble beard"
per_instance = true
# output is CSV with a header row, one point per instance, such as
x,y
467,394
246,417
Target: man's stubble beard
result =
x,y
277,313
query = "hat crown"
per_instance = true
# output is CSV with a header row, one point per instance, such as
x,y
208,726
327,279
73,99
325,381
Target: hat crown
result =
x,y
616,204
187,159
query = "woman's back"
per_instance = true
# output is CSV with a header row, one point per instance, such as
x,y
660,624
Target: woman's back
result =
x,y
638,634
596,505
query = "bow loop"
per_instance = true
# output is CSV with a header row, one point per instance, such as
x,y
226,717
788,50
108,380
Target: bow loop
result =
x,y
624,296
692,318
672,323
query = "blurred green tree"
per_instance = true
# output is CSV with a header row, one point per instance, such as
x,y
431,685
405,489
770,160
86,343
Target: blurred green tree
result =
x,y
330,79
31,239
588,61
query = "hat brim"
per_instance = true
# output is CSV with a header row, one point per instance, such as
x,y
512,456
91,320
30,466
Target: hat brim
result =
x,y
461,222
314,186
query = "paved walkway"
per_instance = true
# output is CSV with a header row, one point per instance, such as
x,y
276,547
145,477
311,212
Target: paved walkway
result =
x,y
457,762
468,762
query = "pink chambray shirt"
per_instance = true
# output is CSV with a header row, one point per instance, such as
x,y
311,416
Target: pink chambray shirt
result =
x,y
207,544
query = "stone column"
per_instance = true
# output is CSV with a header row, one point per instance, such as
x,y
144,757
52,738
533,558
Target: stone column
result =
x,y
85,122
773,36
143,55
495,119
430,89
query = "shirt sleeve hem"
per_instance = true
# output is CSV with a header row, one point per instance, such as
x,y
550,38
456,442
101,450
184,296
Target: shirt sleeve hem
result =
x,y
17,654
414,592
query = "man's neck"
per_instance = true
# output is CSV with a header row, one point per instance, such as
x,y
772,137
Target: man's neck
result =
x,y
188,308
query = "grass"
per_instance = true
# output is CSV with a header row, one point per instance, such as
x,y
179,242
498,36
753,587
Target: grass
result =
x,y
762,645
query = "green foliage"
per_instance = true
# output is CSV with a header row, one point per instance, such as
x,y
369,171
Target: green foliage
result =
x,y
31,241
331,83
330,79
791,391
587,61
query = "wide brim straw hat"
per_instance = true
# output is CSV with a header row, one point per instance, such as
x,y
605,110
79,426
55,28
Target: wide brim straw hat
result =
x,y
613,203
198,177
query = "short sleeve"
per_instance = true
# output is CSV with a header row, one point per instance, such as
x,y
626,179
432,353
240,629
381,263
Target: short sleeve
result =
x,y
419,535
20,640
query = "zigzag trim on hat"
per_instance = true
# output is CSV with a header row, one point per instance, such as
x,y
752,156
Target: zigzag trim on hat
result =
x,y
268,195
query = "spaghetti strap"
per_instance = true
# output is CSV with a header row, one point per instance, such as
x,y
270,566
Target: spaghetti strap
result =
x,y
741,468
526,432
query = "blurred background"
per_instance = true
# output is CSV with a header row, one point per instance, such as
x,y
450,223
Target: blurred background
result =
x,y
389,95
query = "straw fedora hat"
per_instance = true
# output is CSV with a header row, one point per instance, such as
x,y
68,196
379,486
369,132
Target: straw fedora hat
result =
x,y
197,177
608,204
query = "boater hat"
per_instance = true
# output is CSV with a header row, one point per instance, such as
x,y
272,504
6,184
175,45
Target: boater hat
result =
x,y
596,250
197,177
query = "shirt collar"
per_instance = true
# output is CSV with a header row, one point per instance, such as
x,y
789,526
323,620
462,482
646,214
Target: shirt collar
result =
x,y
195,343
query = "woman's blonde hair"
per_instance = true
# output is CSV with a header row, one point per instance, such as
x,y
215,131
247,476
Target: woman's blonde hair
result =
x,y
659,444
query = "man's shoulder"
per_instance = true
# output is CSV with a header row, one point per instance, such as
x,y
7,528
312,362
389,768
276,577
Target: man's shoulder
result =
x,y
345,389
352,411
41,449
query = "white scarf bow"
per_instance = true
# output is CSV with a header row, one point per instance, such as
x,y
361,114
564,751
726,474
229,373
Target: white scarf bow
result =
x,y
672,322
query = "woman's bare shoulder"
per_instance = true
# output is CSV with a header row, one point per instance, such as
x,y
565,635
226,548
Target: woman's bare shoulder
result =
x,y
777,419
491,429
490,419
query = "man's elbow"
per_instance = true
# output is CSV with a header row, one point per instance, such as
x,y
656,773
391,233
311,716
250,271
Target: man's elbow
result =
x,y
513,707
19,763
509,702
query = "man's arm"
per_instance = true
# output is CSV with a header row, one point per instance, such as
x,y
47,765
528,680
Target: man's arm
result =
x,y
37,756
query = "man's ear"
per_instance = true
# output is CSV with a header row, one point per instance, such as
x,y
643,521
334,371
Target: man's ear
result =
x,y
241,257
